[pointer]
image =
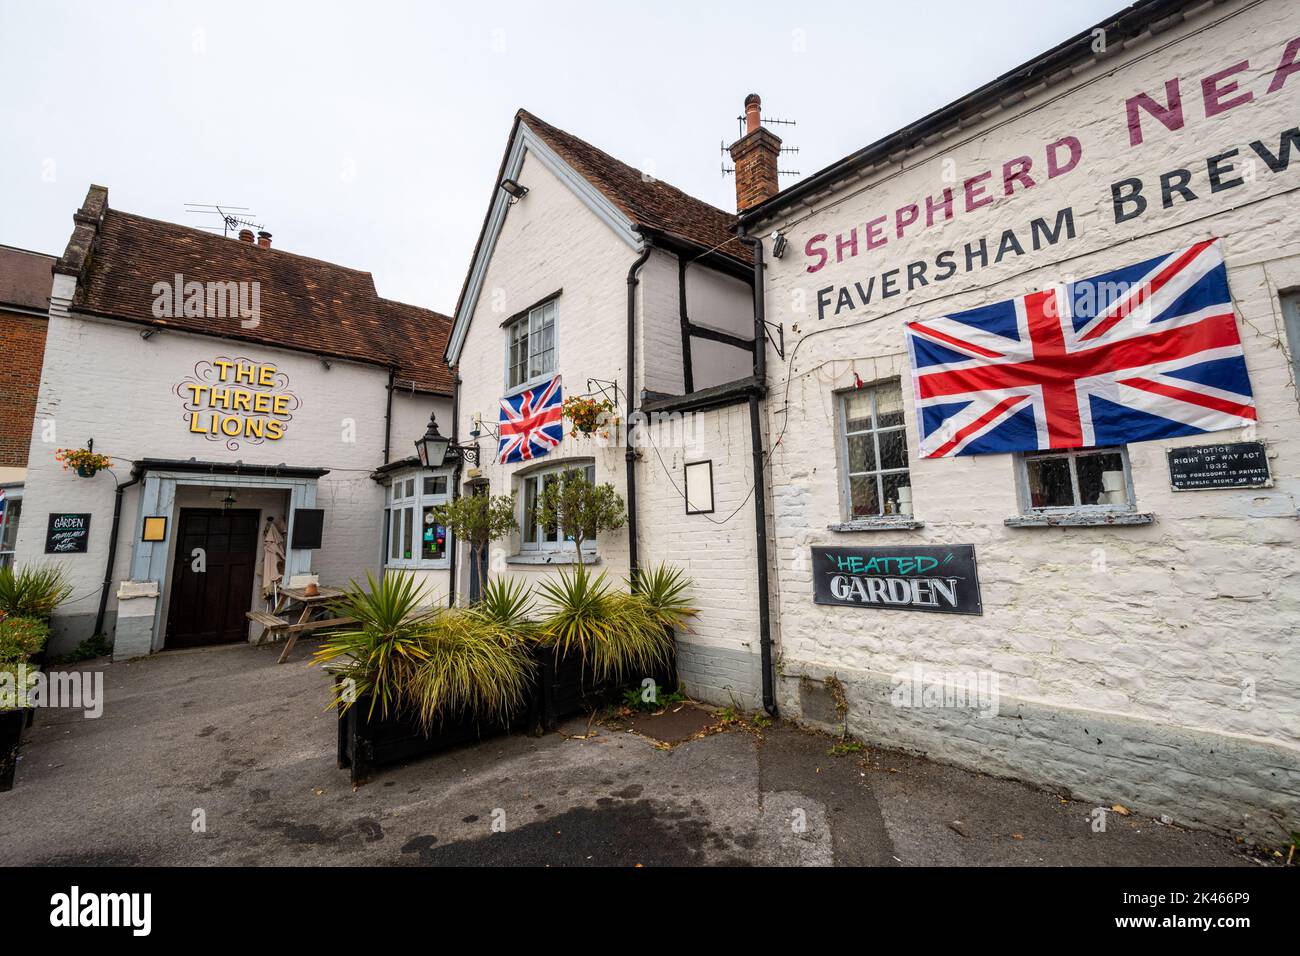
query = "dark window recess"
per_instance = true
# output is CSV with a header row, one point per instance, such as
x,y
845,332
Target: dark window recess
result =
x,y
1076,479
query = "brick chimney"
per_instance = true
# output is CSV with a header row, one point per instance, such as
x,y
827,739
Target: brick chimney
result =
x,y
245,235
755,155
264,239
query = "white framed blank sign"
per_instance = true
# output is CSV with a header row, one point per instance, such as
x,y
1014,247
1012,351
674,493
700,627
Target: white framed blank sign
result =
x,y
699,487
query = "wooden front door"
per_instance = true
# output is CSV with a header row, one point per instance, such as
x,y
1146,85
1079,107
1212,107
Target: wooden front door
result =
x,y
208,606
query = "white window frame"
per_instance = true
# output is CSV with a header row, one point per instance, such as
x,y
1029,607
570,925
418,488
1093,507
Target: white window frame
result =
x,y
847,476
1023,485
537,319
13,496
398,502
537,477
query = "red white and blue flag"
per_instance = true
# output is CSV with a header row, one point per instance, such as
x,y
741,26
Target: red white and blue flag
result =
x,y
1145,352
531,423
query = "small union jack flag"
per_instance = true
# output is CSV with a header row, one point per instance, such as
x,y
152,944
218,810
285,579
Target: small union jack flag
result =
x,y
1145,352
531,423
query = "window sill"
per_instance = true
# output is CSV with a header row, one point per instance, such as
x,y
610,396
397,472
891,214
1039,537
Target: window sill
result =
x,y
886,523
1080,519
556,558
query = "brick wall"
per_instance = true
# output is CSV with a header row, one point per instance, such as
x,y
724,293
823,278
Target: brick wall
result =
x,y
22,345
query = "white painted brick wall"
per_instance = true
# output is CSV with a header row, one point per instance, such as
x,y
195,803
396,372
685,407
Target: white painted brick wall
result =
x,y
1190,611
552,241
101,380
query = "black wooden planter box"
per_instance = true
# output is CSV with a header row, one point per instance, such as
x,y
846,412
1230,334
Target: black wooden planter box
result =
x,y
11,732
566,687
366,742
562,687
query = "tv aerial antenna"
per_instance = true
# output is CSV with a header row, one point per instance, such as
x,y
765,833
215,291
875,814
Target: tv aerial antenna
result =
x,y
764,121
233,218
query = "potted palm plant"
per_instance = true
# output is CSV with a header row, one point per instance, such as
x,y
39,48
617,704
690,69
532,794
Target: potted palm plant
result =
x,y
596,638
413,679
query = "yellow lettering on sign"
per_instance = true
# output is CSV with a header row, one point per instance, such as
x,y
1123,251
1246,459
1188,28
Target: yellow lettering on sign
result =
x,y
237,399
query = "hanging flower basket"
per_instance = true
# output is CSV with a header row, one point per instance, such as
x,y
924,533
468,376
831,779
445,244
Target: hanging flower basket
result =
x,y
589,415
82,460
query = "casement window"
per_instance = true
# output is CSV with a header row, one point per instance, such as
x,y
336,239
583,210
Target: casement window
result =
x,y
1074,479
1291,319
533,534
873,451
414,538
530,346
11,509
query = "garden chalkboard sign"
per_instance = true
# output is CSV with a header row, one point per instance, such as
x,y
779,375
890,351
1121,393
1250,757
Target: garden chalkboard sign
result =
x,y
937,578
67,534
1242,464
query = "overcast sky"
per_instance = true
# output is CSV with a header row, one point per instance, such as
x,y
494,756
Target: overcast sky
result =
x,y
369,133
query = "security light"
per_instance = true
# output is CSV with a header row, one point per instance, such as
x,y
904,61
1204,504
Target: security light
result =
x,y
515,190
778,245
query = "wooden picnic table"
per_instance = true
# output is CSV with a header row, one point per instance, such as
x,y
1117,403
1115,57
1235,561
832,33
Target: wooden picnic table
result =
x,y
278,625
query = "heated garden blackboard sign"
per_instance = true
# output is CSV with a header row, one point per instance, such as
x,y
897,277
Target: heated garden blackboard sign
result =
x,y
67,534
1242,464
936,578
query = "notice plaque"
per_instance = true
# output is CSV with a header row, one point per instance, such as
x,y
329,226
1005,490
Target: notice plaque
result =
x,y
1242,464
936,578
67,534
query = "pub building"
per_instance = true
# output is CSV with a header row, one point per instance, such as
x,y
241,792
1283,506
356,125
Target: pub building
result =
x,y
981,441
259,412
1035,425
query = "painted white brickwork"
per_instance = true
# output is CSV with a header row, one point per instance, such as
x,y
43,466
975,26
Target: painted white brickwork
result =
x,y
101,380
1185,627
552,241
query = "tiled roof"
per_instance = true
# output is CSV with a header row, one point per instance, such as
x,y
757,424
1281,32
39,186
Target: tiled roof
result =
x,y
419,340
646,201
303,303
25,278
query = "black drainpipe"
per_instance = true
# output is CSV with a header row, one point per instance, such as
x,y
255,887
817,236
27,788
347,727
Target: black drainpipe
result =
x,y
112,550
388,414
634,564
760,502
455,488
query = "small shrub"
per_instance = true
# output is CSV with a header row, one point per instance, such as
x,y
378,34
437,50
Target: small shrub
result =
x,y
97,645
635,698
21,637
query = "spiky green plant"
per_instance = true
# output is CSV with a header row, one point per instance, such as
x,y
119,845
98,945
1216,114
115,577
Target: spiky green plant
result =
x,y
384,645
509,605
471,666
611,630
33,591
664,590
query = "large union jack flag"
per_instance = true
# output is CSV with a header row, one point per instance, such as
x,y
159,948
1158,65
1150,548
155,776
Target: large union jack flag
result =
x,y
531,423
1149,351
